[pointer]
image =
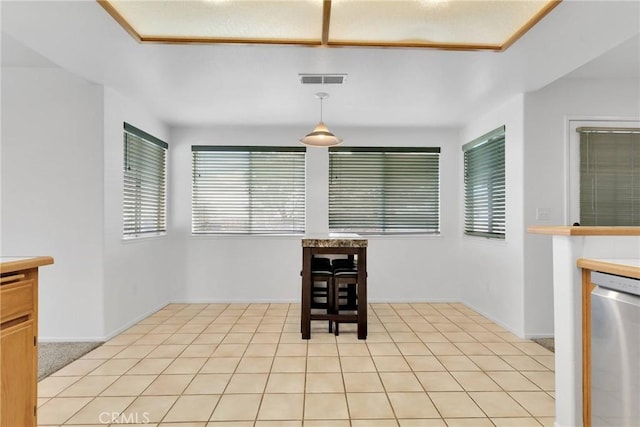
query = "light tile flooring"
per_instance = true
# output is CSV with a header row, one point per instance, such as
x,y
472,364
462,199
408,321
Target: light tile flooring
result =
x,y
244,365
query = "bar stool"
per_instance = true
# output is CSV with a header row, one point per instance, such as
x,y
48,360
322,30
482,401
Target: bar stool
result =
x,y
345,284
322,285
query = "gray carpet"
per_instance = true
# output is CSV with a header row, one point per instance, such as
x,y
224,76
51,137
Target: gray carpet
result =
x,y
548,343
53,356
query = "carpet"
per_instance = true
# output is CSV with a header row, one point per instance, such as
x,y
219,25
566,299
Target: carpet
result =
x,y
53,356
548,343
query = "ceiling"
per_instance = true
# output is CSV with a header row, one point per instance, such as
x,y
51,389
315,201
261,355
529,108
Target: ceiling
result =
x,y
230,84
447,24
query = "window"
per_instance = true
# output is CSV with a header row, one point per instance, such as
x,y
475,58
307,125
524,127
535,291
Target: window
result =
x,y
145,188
484,185
384,190
609,176
248,190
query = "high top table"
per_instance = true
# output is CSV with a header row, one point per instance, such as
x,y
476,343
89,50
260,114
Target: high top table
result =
x,y
334,246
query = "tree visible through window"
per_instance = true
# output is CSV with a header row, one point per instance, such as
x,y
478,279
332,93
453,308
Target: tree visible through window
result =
x,y
380,190
248,190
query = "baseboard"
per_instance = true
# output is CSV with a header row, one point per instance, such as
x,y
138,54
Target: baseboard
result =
x,y
536,336
133,322
233,301
277,301
74,339
297,301
414,301
106,337
477,310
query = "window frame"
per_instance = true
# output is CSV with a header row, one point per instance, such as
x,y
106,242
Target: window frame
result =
x,y
252,189
141,148
495,140
382,226
608,169
572,160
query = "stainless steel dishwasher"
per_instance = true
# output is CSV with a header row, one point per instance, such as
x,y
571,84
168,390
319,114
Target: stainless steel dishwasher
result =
x,y
615,351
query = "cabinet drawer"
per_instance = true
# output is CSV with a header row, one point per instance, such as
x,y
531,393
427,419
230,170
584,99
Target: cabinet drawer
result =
x,y
16,300
19,372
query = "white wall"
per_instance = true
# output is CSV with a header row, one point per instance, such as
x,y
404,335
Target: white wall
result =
x,y
52,179
62,155
512,282
62,196
547,155
490,272
234,268
140,275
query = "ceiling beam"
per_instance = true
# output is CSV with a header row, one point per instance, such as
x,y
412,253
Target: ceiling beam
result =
x,y
530,23
119,19
326,20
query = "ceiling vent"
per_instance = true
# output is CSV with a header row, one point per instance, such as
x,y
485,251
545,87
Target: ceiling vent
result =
x,y
322,79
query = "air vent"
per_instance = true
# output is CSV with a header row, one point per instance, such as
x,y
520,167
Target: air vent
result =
x,y
322,79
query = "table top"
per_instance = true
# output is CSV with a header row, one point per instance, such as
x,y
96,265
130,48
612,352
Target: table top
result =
x,y
567,230
629,267
342,241
11,264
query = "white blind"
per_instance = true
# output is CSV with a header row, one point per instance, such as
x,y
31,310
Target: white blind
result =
x,y
375,190
144,197
609,177
484,185
248,190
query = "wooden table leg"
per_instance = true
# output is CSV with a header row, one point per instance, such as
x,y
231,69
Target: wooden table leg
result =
x,y
305,315
362,293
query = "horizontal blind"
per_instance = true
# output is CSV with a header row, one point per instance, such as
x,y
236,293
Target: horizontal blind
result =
x,y
144,197
248,190
384,190
609,177
484,185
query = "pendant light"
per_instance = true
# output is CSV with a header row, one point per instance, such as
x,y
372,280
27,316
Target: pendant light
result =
x,y
321,136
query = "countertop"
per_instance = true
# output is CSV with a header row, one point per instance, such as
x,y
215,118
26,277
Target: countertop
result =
x,y
334,241
11,264
628,267
567,230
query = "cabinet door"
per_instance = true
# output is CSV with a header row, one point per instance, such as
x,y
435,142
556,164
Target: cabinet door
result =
x,y
18,382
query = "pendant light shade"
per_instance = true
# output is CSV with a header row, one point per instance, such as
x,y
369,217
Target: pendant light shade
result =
x,y
321,136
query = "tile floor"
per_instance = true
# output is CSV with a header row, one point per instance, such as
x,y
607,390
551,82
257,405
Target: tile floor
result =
x,y
244,365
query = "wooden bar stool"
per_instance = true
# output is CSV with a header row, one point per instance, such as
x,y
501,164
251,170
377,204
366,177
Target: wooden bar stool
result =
x,y
322,285
345,292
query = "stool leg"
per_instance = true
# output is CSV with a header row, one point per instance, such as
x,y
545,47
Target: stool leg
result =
x,y
330,309
352,296
336,303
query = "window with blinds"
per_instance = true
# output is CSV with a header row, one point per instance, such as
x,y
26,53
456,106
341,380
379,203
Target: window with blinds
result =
x,y
609,176
484,185
145,189
248,190
374,190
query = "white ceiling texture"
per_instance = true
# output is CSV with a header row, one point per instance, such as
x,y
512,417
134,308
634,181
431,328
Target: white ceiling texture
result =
x,y
202,85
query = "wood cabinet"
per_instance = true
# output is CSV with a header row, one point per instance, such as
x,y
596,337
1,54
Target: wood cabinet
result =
x,y
628,268
18,340
587,287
